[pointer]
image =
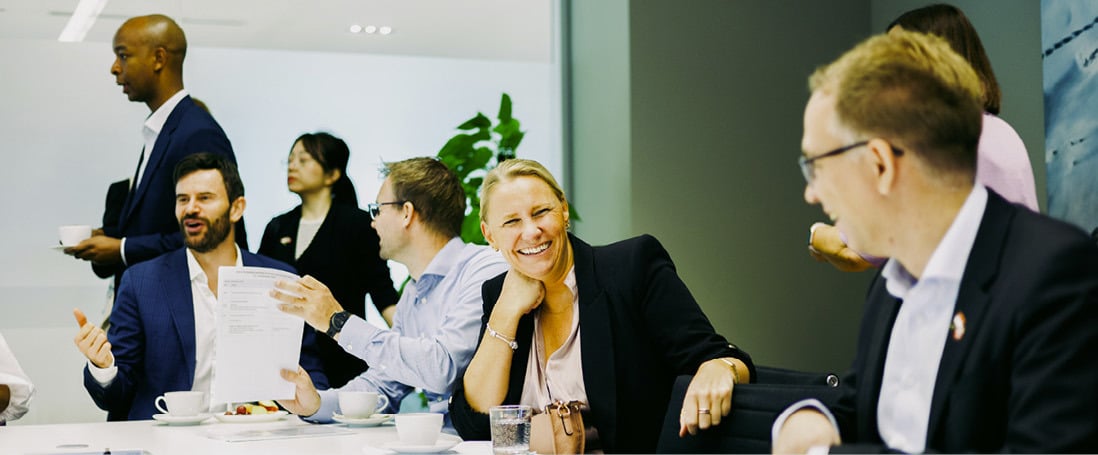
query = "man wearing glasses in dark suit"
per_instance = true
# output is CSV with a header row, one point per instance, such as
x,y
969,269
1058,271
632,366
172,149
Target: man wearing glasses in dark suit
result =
x,y
979,333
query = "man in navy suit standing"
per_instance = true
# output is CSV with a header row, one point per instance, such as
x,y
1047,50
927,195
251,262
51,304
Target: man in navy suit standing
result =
x,y
163,330
149,52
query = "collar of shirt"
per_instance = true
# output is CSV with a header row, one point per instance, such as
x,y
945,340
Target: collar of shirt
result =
x,y
948,260
440,265
195,269
155,122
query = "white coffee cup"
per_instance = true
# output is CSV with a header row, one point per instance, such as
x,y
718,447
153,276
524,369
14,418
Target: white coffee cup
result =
x,y
359,404
73,234
419,429
181,404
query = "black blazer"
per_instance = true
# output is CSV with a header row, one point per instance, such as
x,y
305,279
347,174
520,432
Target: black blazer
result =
x,y
344,256
1022,378
641,328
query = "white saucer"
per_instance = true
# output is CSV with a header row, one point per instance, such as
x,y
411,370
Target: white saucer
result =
x,y
252,418
443,444
372,421
182,420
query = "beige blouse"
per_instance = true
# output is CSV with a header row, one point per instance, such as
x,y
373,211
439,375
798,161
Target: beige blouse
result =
x,y
561,378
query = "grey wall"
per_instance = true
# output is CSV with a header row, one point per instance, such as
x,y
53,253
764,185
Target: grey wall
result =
x,y
710,135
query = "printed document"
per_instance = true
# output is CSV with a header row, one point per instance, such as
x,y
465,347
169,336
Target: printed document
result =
x,y
255,340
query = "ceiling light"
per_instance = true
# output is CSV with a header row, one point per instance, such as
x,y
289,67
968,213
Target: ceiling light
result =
x,y
385,30
82,20
356,28
370,29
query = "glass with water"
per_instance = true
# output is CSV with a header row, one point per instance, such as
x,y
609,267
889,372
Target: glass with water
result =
x,y
510,429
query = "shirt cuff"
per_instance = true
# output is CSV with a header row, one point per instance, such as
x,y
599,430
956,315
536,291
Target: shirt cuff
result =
x,y
809,403
22,391
104,376
356,336
329,402
122,251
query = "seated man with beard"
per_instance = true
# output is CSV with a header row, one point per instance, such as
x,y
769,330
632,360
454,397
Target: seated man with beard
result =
x,y
162,333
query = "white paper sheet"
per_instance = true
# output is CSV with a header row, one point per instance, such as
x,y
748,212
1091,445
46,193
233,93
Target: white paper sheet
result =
x,y
255,340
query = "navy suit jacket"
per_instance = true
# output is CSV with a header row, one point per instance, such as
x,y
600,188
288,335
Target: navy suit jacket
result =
x,y
152,337
1022,378
147,219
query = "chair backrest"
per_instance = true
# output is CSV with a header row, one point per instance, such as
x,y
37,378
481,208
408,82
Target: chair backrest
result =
x,y
754,407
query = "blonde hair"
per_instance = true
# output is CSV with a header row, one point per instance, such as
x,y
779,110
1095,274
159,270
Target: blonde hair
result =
x,y
510,169
911,89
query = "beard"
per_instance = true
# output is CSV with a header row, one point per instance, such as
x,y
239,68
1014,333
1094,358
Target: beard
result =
x,y
217,230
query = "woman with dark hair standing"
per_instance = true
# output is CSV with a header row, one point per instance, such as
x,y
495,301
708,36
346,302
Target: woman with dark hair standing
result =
x,y
330,238
1002,163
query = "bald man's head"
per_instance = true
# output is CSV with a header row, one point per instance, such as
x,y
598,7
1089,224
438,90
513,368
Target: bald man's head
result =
x,y
149,53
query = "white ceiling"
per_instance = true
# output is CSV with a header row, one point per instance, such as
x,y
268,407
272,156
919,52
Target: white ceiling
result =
x,y
519,30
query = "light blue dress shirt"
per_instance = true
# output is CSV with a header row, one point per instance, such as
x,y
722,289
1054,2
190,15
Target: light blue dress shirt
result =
x,y
434,335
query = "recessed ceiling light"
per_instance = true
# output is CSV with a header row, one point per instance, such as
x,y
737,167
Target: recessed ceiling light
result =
x,y
385,30
356,28
370,29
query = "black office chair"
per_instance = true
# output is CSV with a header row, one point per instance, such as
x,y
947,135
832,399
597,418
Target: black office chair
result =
x,y
754,407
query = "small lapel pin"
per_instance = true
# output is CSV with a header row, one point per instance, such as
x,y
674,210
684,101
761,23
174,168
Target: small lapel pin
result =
x,y
286,240
958,326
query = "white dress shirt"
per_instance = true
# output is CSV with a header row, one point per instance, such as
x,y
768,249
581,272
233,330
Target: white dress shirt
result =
x,y
12,375
919,334
205,327
921,329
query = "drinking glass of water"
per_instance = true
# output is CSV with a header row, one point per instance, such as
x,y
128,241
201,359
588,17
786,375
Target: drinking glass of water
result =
x,y
510,429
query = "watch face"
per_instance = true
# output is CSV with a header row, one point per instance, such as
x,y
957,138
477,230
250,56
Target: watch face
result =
x,y
336,322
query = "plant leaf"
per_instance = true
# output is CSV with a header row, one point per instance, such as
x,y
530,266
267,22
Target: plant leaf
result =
x,y
480,121
512,141
505,108
470,228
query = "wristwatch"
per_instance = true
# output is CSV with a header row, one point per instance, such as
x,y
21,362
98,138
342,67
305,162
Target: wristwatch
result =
x,y
335,324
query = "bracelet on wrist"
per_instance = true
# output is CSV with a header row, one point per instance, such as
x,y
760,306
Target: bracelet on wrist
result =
x,y
735,371
510,342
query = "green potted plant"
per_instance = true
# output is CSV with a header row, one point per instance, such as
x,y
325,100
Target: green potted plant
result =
x,y
475,151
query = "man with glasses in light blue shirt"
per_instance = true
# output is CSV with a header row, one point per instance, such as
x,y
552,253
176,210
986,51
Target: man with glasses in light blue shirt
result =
x,y
418,217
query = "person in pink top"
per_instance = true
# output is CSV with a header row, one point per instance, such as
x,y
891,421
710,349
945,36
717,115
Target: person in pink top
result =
x,y
1002,164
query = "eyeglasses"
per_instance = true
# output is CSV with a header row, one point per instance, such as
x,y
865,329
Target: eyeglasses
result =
x,y
808,169
374,208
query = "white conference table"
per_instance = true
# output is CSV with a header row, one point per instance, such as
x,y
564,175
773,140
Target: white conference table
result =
x,y
160,439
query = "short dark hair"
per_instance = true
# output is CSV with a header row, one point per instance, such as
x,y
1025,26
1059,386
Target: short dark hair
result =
x,y
208,161
434,191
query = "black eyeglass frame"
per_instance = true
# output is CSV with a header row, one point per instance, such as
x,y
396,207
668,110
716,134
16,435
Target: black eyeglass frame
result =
x,y
374,208
808,171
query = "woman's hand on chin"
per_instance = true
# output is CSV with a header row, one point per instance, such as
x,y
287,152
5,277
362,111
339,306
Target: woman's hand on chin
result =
x,y
520,294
